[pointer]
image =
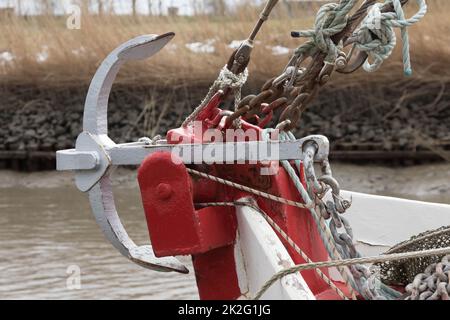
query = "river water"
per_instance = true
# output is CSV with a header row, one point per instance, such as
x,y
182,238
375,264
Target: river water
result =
x,y
47,232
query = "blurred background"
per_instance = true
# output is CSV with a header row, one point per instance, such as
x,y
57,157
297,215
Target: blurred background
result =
x,y
390,134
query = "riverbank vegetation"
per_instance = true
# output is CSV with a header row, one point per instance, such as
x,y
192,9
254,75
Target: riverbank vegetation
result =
x,y
41,51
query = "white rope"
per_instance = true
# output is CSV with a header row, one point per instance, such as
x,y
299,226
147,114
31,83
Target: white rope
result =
x,y
323,229
331,19
225,80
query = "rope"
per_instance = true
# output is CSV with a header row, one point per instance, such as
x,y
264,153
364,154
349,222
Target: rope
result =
x,y
376,35
330,20
283,234
364,285
348,262
226,79
251,190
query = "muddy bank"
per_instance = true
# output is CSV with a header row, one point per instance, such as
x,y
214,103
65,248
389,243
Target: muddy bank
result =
x,y
376,119
422,182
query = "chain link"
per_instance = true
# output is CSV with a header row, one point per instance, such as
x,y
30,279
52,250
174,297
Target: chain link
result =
x,y
309,68
366,279
433,284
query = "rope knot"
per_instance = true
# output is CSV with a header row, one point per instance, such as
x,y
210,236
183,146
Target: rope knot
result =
x,y
229,79
330,20
376,35
226,79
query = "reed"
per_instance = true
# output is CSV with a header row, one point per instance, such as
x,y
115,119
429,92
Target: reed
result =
x,y
47,54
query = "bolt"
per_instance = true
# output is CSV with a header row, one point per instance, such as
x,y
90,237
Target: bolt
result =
x,y
341,62
163,191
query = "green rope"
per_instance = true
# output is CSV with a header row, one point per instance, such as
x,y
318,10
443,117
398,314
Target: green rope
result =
x,y
376,34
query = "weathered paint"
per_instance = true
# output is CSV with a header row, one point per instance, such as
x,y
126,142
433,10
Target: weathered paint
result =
x,y
264,255
175,227
105,213
220,260
96,154
96,107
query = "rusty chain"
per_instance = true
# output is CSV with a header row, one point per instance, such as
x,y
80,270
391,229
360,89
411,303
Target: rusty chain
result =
x,y
290,93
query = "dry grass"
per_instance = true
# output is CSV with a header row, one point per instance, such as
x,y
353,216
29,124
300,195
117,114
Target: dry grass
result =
x,y
74,55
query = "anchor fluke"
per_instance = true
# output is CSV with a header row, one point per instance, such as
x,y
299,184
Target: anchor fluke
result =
x,y
145,257
91,162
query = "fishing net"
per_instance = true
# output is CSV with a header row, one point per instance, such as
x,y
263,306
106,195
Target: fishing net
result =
x,y
404,272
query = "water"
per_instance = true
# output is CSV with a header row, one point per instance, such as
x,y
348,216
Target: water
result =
x,y
46,227
43,232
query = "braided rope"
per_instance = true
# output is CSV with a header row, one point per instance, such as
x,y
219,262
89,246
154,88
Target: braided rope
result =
x,y
323,229
382,24
226,79
283,234
364,283
307,266
251,190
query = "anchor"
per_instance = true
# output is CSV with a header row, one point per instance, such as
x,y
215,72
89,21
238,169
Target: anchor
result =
x,y
96,154
92,162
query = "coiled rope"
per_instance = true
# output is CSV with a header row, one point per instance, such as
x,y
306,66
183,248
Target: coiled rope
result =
x,y
375,36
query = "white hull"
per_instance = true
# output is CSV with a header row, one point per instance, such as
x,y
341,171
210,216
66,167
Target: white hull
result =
x,y
382,222
378,223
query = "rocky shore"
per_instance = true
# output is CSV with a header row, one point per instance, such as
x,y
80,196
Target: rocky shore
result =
x,y
34,120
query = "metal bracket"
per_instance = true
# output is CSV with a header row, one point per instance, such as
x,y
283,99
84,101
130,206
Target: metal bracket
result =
x,y
323,146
